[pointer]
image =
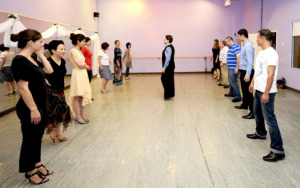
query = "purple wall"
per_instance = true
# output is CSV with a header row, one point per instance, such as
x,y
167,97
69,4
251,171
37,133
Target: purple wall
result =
x,y
250,15
193,24
278,15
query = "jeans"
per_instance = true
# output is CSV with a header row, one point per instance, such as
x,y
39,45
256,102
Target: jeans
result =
x,y
247,96
264,112
127,72
234,85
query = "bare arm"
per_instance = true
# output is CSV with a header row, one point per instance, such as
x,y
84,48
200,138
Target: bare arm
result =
x,y
217,58
2,64
99,61
271,74
81,65
47,67
28,99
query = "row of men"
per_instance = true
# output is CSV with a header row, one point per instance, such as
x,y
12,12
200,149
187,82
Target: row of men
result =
x,y
237,62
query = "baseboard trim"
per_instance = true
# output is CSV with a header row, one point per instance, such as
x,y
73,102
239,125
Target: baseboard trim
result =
x,y
293,89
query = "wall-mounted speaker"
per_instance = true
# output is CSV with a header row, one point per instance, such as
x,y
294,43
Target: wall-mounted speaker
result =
x,y
96,14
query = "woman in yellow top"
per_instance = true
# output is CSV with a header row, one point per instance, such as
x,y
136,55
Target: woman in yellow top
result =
x,y
80,89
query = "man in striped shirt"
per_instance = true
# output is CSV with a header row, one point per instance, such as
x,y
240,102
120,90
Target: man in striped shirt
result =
x,y
233,59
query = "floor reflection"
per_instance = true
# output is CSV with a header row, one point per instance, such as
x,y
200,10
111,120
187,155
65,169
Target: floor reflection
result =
x,y
9,102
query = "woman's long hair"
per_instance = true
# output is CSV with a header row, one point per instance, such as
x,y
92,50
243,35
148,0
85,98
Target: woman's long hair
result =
x,y
216,44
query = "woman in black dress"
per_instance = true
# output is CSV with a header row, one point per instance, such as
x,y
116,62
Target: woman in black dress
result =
x,y
216,61
58,109
118,77
31,107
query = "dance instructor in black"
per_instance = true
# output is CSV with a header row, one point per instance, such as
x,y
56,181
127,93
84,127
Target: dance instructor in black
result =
x,y
168,66
31,107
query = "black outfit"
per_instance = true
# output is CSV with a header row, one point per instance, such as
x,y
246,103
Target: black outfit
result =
x,y
216,52
247,96
90,74
167,78
57,107
57,78
23,69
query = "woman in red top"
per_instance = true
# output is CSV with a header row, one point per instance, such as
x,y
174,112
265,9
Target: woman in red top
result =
x,y
88,56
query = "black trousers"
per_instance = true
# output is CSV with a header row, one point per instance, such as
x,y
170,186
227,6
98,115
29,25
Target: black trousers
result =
x,y
90,74
127,71
167,80
247,96
32,138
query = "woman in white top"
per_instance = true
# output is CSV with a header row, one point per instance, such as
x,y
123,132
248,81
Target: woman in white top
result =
x,y
6,76
104,69
223,64
80,88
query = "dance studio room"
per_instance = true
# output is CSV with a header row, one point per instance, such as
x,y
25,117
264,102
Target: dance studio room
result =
x,y
150,93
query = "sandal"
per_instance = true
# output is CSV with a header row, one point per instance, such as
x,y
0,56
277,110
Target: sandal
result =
x,y
10,93
61,138
48,173
37,173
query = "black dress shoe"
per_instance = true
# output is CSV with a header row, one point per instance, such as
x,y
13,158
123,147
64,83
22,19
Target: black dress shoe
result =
x,y
228,95
220,85
241,107
226,87
249,116
255,136
273,157
236,100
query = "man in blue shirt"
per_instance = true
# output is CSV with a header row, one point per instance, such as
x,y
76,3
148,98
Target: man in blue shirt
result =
x,y
233,59
247,72
168,66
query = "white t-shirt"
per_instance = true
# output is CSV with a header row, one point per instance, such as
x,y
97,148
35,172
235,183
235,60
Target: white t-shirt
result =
x,y
265,58
223,54
9,56
104,58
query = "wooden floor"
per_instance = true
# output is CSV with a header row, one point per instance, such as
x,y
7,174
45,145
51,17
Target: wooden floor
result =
x,y
135,139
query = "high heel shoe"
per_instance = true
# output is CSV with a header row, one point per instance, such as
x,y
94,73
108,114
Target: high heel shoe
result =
x,y
48,172
54,139
61,138
10,93
77,121
37,173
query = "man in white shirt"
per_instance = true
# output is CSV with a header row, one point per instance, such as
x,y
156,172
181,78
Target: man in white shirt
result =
x,y
264,83
223,64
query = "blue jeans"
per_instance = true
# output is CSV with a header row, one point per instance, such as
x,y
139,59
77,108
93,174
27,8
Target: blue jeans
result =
x,y
234,84
264,112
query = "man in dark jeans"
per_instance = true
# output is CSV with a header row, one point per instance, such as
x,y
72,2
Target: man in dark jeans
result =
x,y
264,83
246,72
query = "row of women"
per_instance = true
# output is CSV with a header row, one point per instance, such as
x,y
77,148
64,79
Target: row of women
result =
x,y
41,85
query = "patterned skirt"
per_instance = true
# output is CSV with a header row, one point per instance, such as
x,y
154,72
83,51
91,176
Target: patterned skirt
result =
x,y
58,110
118,76
6,75
106,73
